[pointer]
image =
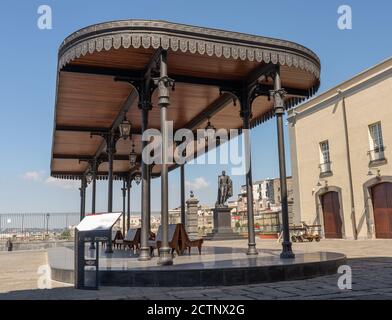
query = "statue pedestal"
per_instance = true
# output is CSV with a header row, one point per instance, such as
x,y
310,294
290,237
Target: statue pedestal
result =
x,y
222,226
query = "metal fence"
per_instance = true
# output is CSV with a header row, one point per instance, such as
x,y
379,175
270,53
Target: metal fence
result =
x,y
36,225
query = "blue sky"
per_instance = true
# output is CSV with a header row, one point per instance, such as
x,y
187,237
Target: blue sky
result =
x,y
28,58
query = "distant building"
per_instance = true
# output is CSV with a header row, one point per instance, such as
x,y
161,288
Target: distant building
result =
x,y
266,196
175,215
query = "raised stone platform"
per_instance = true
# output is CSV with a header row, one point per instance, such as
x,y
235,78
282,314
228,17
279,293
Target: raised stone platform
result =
x,y
216,266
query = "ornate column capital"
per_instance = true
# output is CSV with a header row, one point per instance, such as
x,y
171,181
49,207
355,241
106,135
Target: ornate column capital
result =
x,y
278,97
164,83
111,140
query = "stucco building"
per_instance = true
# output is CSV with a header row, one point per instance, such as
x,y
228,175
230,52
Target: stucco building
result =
x,y
341,144
266,195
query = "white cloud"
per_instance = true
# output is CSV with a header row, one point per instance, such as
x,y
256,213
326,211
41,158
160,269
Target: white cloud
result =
x,y
64,184
197,184
33,175
41,177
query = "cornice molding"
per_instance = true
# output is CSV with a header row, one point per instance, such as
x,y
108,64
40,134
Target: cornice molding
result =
x,y
178,37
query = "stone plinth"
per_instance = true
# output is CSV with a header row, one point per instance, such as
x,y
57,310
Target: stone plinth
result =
x,y
222,225
191,217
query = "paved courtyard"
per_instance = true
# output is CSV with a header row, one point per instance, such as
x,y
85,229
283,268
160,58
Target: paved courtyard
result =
x,y
370,260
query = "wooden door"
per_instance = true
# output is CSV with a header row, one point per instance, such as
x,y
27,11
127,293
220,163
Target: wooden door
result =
x,y
331,212
382,208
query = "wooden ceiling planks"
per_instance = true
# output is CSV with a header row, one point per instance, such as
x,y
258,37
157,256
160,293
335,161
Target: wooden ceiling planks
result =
x,y
75,143
86,100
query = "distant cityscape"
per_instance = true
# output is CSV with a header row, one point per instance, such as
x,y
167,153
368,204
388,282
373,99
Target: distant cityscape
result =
x,y
267,207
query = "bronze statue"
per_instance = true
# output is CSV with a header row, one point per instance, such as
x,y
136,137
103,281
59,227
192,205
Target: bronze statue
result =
x,y
225,189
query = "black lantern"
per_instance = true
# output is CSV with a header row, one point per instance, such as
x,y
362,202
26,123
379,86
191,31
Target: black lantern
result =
x,y
209,126
125,129
89,177
210,130
133,156
138,178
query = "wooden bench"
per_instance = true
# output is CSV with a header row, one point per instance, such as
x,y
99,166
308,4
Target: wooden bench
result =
x,y
131,240
173,237
116,235
186,243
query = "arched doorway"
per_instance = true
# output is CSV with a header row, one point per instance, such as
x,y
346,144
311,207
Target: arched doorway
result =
x,y
381,194
330,204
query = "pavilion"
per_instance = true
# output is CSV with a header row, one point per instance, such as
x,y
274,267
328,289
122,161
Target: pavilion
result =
x,y
116,74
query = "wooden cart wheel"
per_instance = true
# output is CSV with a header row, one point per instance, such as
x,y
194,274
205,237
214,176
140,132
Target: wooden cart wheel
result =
x,y
294,238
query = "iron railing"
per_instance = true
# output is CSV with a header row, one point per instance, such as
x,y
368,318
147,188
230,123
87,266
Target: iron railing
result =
x,y
325,167
377,154
34,226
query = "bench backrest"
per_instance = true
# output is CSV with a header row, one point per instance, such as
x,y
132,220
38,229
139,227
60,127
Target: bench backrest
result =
x,y
131,234
184,234
171,232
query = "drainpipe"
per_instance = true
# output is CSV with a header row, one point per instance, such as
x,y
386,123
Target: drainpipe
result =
x,y
350,177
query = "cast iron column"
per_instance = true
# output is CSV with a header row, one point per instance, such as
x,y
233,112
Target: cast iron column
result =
x,y
124,194
182,167
129,183
278,96
94,169
245,115
94,185
149,200
164,83
110,149
83,185
145,205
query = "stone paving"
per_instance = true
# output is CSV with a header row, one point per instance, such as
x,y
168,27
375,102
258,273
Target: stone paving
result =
x,y
370,260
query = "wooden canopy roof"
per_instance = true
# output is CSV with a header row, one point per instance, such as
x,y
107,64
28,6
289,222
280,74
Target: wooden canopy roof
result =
x,y
200,60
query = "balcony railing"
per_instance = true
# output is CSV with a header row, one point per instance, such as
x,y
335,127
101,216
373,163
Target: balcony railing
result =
x,y
377,154
325,168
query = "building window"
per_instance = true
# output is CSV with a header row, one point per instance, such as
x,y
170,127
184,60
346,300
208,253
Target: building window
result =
x,y
325,160
376,143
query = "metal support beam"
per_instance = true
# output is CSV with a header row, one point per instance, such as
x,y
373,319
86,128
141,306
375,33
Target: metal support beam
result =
x,y
92,130
102,158
149,200
124,195
259,73
94,170
216,106
278,95
164,84
112,131
82,189
129,185
182,168
127,75
110,150
145,106
145,205
245,114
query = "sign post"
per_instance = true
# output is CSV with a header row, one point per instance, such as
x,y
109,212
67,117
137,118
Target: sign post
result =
x,y
92,229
